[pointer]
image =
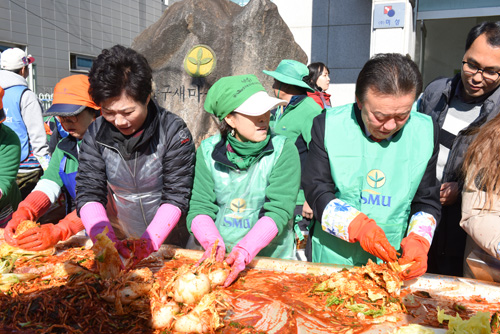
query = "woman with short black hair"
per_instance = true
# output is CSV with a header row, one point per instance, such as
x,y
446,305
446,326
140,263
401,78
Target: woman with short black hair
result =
x,y
136,163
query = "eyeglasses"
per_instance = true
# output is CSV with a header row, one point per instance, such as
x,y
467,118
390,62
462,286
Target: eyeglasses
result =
x,y
68,119
488,75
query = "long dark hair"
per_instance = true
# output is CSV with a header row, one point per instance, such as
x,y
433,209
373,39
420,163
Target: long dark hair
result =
x,y
315,71
482,161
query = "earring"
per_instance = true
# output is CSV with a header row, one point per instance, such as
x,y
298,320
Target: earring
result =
x,y
232,132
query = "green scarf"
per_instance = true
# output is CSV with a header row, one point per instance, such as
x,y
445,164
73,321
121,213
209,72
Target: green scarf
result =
x,y
244,154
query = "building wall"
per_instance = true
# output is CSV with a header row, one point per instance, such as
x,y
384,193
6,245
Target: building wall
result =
x,y
52,29
335,32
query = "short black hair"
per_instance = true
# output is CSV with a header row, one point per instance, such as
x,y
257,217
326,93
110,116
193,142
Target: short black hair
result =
x,y
389,74
491,29
315,71
120,69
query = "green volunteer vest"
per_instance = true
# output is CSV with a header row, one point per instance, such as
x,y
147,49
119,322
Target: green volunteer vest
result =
x,y
378,179
241,196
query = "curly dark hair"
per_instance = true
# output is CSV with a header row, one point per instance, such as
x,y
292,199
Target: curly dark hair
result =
x,y
118,69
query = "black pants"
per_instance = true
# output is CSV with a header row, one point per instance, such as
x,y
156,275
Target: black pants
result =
x,y
446,255
27,181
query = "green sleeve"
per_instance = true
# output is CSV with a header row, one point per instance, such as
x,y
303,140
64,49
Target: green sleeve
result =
x,y
10,155
52,172
284,182
203,200
312,109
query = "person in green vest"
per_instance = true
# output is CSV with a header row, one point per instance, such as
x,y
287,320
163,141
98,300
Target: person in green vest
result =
x,y
10,154
75,110
294,120
246,178
370,175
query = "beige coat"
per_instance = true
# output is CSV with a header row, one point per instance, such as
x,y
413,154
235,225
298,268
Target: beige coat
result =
x,y
482,227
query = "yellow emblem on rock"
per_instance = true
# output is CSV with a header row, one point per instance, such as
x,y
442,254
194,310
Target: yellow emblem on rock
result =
x,y
375,178
238,205
200,61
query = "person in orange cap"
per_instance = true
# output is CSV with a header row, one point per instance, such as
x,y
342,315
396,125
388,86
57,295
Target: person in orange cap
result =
x,y
75,110
10,153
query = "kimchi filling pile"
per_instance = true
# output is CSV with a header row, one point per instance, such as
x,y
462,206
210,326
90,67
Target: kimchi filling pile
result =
x,y
67,294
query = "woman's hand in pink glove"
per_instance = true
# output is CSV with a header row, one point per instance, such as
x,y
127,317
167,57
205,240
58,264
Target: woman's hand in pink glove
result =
x,y
238,262
207,234
139,249
220,252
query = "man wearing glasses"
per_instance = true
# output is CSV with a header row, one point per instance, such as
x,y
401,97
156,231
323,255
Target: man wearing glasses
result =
x,y
461,105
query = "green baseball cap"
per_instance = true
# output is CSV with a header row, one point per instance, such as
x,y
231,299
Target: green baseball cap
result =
x,y
240,93
291,72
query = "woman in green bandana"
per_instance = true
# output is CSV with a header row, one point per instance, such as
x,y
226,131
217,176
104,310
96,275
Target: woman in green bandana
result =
x,y
246,178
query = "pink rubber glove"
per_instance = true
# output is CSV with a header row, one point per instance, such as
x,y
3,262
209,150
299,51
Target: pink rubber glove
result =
x,y
205,231
95,220
243,253
164,221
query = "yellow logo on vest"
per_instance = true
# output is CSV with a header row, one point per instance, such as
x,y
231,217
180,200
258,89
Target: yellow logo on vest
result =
x,y
375,178
238,205
235,219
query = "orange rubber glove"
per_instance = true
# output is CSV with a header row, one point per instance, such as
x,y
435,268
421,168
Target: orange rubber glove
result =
x,y
415,249
371,237
48,235
33,206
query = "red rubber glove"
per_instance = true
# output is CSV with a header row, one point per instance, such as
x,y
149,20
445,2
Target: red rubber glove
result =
x,y
48,235
40,238
371,237
33,206
415,249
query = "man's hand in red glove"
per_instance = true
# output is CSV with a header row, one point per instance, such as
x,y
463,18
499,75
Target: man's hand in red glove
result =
x,y
35,205
372,238
238,262
139,248
415,249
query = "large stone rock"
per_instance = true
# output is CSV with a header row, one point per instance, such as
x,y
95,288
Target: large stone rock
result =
x,y
246,40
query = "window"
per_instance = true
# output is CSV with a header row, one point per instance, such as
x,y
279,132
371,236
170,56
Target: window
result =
x,y
80,63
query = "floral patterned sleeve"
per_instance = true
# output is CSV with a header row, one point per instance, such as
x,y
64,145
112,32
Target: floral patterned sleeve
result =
x,y
423,224
336,218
